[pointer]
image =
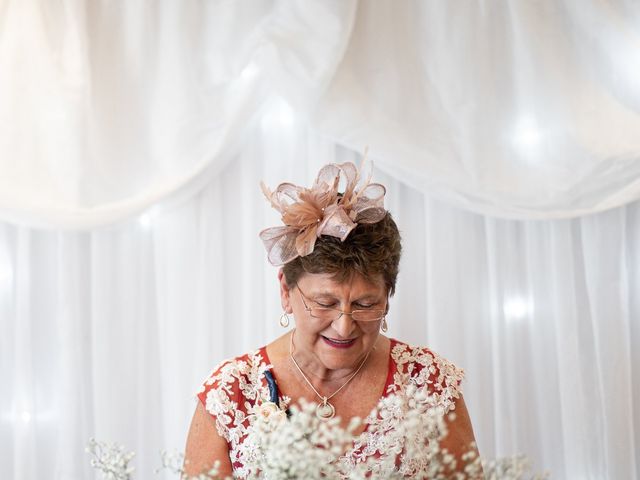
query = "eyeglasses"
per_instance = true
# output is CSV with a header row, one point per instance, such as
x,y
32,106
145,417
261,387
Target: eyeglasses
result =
x,y
332,314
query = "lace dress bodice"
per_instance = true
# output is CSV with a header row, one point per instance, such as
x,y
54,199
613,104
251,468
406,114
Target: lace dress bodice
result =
x,y
235,387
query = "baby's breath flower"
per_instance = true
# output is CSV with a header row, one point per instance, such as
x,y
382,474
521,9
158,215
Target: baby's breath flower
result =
x,y
110,459
303,446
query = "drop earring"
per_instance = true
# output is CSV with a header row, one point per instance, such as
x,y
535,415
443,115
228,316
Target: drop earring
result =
x,y
284,320
384,327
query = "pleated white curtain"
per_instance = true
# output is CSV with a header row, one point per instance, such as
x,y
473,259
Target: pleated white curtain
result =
x,y
109,333
132,141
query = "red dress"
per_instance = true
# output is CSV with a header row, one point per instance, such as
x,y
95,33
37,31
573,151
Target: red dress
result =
x,y
236,386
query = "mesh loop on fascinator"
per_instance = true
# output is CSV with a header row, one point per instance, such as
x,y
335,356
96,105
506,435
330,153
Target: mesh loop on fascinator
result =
x,y
308,213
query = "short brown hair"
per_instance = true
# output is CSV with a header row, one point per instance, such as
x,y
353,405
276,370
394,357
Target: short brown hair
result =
x,y
369,249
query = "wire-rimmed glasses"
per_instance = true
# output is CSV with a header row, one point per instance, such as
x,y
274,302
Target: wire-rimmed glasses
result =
x,y
332,314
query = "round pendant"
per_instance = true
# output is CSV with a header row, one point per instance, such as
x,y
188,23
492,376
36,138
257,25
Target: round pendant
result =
x,y
325,411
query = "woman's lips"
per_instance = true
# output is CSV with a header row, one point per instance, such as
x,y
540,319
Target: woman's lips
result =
x,y
336,343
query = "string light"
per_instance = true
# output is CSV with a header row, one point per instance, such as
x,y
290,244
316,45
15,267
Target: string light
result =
x,y
249,72
278,116
145,220
527,134
517,308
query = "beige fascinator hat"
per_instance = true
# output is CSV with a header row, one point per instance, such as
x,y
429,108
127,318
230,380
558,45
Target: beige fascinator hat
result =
x,y
308,213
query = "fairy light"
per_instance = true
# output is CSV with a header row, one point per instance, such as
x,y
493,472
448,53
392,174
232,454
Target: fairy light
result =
x,y
249,72
517,308
145,221
278,116
526,134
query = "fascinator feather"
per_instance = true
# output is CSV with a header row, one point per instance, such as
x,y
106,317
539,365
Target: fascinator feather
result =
x,y
308,213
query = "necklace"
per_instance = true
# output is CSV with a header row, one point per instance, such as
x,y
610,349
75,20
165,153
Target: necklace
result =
x,y
324,410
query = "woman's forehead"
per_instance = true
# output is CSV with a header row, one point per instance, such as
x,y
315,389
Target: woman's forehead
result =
x,y
326,283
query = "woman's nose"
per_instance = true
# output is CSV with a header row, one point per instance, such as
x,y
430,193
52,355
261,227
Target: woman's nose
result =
x,y
344,325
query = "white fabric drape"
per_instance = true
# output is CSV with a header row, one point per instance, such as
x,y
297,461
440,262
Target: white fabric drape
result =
x,y
109,333
517,109
107,108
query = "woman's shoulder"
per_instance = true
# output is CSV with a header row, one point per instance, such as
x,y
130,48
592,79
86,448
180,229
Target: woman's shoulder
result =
x,y
420,356
247,366
233,382
424,368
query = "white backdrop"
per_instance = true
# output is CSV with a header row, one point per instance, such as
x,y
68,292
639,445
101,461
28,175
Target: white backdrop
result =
x,y
108,333
132,142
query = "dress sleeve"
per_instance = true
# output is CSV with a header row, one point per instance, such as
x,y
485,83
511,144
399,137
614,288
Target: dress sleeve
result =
x,y
447,380
221,396
441,378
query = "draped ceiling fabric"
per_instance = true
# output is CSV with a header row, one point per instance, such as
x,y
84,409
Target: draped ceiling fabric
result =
x,y
471,110
107,108
517,109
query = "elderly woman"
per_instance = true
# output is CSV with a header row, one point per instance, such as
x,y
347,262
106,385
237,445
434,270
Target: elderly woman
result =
x,y
339,252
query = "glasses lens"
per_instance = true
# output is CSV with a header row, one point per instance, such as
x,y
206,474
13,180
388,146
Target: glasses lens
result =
x,y
367,315
329,314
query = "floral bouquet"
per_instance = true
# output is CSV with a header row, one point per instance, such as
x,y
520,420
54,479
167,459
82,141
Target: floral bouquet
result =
x,y
302,446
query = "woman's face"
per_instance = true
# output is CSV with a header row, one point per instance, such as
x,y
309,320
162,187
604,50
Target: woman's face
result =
x,y
342,343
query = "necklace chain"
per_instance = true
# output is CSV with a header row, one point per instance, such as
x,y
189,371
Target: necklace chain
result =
x,y
325,410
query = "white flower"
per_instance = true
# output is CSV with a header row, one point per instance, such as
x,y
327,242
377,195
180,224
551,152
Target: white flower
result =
x,y
110,459
269,414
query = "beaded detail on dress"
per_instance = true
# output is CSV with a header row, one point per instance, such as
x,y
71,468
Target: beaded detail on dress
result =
x,y
237,387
